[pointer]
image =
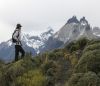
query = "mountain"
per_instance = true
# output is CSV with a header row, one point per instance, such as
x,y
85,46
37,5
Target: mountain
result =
x,y
96,31
74,29
31,44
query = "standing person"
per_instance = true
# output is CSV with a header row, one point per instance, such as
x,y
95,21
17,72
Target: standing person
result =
x,y
16,39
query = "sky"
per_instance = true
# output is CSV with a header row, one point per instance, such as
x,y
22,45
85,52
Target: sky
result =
x,y
37,15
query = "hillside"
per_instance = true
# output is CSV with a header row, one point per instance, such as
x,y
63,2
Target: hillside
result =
x,y
77,64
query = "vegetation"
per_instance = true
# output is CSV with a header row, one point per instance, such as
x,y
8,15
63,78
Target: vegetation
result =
x,y
78,64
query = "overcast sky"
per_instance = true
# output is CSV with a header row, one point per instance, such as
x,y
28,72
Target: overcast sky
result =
x,y
37,15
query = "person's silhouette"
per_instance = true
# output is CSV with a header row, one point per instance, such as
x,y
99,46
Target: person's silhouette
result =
x,y
16,38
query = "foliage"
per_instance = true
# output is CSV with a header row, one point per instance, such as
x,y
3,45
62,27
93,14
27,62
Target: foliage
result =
x,y
90,60
77,45
78,64
84,79
31,78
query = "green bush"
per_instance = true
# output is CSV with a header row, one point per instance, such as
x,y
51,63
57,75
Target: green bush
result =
x,y
77,45
93,41
31,78
92,47
90,61
15,69
84,79
82,42
71,64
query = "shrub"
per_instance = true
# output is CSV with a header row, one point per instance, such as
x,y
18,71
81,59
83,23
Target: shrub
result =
x,y
84,79
92,47
31,78
90,61
82,42
77,45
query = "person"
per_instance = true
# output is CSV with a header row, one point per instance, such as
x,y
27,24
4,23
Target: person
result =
x,y
16,39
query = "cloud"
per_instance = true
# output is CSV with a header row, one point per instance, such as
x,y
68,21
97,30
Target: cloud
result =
x,y
5,31
37,15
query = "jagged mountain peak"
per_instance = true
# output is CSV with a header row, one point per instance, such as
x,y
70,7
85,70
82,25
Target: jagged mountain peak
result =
x,y
45,35
74,30
73,20
83,21
49,31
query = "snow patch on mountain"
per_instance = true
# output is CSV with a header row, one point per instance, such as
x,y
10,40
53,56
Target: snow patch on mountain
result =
x,y
34,42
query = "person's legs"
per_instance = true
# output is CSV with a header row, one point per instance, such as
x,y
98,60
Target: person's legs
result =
x,y
22,52
16,52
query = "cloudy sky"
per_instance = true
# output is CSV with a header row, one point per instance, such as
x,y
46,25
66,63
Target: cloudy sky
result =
x,y
37,15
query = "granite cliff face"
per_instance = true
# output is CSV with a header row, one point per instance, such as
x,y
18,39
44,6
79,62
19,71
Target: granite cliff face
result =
x,y
75,29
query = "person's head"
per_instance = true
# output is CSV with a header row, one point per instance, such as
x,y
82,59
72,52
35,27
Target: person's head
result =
x,y
18,26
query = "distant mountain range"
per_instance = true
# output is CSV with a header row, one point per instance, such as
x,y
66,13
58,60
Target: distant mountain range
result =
x,y
72,30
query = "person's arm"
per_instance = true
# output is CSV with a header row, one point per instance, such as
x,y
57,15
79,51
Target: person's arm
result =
x,y
15,35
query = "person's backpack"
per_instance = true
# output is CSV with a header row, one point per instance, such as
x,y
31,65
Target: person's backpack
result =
x,y
13,39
